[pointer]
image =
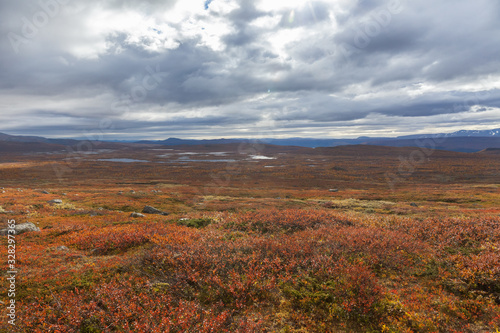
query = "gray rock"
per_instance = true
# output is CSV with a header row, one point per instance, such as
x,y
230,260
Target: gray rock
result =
x,y
45,192
152,210
21,229
413,204
62,248
55,201
334,190
136,215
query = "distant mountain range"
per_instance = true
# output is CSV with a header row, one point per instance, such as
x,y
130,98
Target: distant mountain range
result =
x,y
460,141
38,139
462,133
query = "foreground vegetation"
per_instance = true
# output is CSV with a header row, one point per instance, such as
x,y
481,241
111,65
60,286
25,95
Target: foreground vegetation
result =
x,y
269,257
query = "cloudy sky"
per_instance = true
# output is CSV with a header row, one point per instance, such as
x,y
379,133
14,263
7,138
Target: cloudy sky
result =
x,y
125,69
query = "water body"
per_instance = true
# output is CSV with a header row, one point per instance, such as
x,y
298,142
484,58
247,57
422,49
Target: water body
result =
x,y
122,160
261,157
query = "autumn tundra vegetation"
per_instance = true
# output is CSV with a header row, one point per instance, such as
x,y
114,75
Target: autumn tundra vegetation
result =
x,y
253,239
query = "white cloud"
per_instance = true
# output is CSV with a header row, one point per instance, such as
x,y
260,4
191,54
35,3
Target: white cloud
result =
x,y
248,67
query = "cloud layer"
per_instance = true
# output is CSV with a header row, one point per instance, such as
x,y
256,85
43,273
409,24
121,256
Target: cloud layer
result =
x,y
220,68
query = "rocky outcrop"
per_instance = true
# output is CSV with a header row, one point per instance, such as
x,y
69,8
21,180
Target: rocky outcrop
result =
x,y
21,229
152,210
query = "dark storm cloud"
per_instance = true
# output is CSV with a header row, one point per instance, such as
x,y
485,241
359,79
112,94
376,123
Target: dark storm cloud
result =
x,y
317,64
241,19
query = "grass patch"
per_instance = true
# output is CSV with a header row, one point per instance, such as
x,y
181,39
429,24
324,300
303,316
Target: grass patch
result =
x,y
196,223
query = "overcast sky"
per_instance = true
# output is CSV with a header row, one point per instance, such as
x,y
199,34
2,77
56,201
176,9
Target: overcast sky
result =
x,y
128,69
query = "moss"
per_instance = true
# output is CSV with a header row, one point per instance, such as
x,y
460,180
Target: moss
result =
x,y
195,223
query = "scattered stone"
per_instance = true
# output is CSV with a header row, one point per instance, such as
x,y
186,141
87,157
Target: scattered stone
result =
x,y
45,192
64,194
132,191
334,190
184,219
413,204
21,228
62,248
55,201
137,215
152,210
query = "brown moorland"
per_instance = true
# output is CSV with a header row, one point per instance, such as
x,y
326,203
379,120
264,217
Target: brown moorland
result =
x,y
259,238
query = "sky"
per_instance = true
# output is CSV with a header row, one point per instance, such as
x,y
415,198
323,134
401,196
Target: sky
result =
x,y
153,69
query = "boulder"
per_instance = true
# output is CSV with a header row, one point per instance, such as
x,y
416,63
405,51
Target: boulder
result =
x,y
413,204
136,215
152,210
333,190
45,192
21,229
55,201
